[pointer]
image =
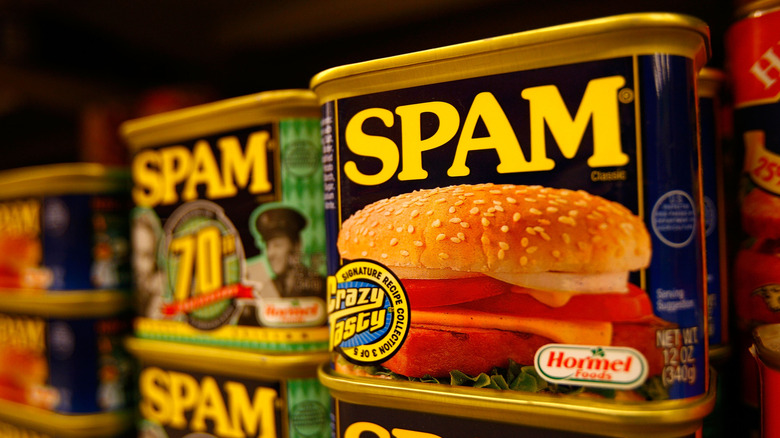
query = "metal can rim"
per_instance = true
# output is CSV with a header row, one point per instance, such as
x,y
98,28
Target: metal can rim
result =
x,y
766,339
62,179
656,419
98,425
711,81
220,116
609,32
226,361
755,8
65,304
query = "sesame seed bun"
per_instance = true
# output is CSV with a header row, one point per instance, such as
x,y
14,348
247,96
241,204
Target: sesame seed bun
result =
x,y
489,228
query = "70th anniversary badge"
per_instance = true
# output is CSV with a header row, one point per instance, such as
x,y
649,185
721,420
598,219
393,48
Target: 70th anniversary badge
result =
x,y
368,312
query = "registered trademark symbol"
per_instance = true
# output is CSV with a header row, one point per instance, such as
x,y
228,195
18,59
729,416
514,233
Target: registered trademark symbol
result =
x,y
626,95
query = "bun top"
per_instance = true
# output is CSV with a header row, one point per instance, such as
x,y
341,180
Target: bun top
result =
x,y
490,228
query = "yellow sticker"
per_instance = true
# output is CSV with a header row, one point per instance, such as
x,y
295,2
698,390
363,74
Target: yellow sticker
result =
x,y
368,312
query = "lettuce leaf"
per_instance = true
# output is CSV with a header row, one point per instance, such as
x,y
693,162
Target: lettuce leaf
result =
x,y
518,377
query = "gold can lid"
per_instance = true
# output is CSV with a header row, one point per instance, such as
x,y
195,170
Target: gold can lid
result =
x,y
64,304
99,425
766,341
63,179
615,36
218,117
748,8
711,82
226,361
720,353
671,418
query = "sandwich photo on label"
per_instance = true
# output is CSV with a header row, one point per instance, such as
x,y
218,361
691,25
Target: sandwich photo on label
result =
x,y
494,272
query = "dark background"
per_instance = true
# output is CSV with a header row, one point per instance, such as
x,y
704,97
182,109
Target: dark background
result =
x,y
71,71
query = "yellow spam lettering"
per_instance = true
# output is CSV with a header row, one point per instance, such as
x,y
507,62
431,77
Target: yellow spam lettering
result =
x,y
598,107
355,430
20,218
23,333
167,397
158,173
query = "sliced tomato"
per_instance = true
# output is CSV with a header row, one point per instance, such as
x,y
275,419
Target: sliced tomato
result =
x,y
432,293
494,296
634,305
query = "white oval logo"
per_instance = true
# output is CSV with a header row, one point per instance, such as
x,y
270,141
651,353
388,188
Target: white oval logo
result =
x,y
286,312
594,366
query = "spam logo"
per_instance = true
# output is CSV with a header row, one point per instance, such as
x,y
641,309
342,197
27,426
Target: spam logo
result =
x,y
180,401
486,126
20,218
23,333
359,429
173,174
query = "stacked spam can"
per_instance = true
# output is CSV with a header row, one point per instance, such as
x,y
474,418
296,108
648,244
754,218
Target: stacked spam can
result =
x,y
516,235
64,302
228,255
715,135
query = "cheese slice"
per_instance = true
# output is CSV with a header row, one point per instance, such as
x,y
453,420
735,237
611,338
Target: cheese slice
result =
x,y
596,283
550,298
566,332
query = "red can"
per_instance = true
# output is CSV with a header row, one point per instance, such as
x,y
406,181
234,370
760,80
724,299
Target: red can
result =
x,y
754,64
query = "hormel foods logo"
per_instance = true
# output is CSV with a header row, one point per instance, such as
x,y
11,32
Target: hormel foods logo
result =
x,y
285,312
583,365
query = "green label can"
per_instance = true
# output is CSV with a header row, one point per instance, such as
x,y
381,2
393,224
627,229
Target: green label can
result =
x,y
227,224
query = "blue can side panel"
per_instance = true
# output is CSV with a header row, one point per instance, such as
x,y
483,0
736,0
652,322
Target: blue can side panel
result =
x,y
675,278
67,237
84,241
89,371
712,205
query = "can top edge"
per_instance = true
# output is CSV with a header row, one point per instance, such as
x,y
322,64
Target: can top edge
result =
x,y
612,419
710,73
79,177
605,25
767,341
266,101
756,7
88,425
711,81
226,361
65,304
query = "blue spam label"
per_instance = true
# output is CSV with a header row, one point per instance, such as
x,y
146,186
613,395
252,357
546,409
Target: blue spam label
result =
x,y
73,366
714,221
68,242
472,223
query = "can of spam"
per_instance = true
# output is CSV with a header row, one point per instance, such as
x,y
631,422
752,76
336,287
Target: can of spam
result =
x,y
522,212
204,391
384,408
712,83
751,44
63,353
64,227
766,351
227,226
